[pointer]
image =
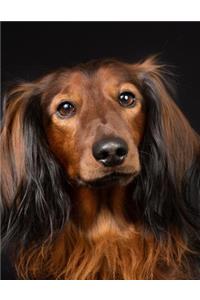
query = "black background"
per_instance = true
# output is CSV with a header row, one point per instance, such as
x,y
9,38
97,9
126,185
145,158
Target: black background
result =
x,y
30,49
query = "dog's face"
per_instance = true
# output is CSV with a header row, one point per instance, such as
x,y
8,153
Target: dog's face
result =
x,y
95,123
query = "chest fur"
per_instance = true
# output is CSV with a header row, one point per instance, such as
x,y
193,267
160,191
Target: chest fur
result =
x,y
108,250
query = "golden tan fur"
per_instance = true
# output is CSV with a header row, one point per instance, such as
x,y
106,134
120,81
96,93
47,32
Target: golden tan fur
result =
x,y
107,248
114,256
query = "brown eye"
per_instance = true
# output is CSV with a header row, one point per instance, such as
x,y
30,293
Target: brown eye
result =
x,y
127,99
66,109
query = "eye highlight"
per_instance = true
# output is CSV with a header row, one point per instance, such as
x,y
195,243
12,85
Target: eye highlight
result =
x,y
127,99
66,109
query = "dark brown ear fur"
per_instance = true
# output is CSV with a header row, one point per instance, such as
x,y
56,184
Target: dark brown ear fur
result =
x,y
167,193
183,143
34,199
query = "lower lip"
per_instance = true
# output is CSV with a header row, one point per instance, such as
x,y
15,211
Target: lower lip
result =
x,y
110,179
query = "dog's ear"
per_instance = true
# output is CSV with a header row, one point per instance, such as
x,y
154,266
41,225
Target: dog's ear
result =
x,y
181,142
34,198
170,153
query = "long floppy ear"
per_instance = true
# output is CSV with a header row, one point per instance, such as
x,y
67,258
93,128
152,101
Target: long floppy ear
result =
x,y
35,202
167,193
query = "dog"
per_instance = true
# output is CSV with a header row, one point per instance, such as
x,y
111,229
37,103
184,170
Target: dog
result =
x,y
100,175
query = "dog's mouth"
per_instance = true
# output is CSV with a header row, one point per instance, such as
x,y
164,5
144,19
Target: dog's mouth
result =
x,y
110,180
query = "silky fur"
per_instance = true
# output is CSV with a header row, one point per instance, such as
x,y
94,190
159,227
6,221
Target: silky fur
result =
x,y
115,254
148,229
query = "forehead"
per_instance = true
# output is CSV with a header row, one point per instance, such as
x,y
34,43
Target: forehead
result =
x,y
90,76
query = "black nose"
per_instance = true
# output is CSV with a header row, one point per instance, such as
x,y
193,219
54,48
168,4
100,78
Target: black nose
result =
x,y
110,151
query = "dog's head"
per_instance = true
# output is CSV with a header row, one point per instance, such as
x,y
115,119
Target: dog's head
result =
x,y
98,123
95,122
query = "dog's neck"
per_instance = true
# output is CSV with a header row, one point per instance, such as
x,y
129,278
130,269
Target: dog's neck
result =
x,y
90,203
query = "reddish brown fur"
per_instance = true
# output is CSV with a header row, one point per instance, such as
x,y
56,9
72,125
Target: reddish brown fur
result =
x,y
14,141
104,247
99,243
110,250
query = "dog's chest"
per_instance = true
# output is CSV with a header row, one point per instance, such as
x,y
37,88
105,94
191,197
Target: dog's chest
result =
x,y
105,251
108,225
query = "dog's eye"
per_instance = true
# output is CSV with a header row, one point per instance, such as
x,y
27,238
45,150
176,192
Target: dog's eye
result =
x,y
127,99
66,109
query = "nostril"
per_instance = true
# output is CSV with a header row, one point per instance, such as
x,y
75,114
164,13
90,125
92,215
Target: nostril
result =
x,y
121,152
103,154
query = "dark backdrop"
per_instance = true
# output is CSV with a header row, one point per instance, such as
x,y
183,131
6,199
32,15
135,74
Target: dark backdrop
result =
x,y
30,49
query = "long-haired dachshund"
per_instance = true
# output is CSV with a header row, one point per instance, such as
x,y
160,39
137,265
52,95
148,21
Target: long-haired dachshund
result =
x,y
100,176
